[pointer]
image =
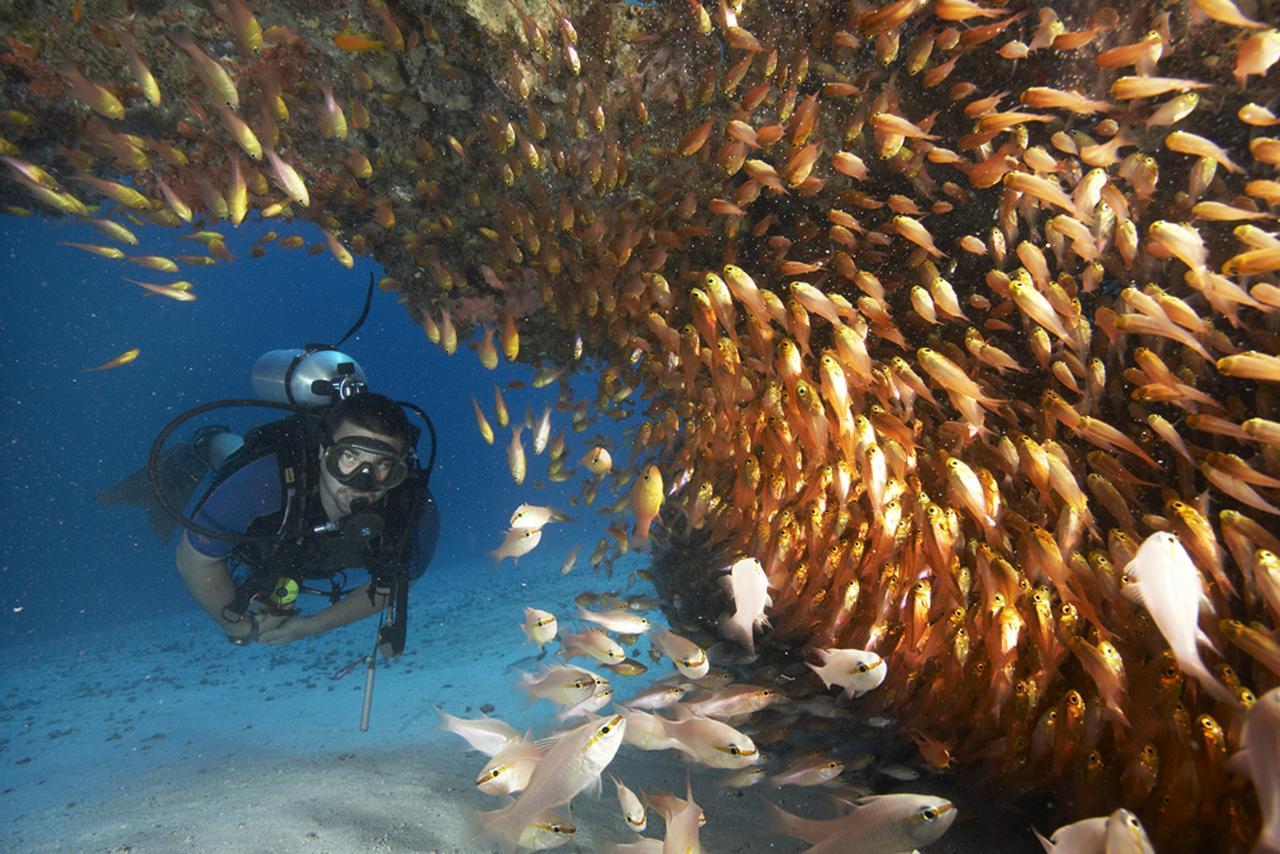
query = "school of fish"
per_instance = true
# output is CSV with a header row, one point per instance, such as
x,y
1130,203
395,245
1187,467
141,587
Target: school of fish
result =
x,y
959,319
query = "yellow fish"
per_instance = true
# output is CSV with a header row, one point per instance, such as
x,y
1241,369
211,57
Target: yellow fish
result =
x,y
123,359
646,501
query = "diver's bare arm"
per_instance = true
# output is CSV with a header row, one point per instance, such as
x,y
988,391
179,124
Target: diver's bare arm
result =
x,y
210,584
350,608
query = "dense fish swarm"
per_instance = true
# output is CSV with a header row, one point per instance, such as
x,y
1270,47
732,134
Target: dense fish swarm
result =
x,y
939,309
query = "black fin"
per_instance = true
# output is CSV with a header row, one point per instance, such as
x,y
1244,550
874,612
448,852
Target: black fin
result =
x,y
180,471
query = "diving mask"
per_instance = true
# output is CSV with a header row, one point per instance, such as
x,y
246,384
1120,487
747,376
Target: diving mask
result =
x,y
365,464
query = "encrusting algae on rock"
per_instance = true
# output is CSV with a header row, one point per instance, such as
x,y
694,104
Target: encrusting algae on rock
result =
x,y
937,309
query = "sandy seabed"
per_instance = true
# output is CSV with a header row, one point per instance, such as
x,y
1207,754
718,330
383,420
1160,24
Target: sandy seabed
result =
x,y
158,736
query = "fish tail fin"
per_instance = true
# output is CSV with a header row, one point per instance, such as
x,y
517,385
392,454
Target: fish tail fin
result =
x,y
821,674
1207,680
496,825
1203,640
732,628
786,824
640,538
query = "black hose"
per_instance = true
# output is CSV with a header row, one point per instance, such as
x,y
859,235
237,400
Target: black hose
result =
x,y
153,469
431,428
368,301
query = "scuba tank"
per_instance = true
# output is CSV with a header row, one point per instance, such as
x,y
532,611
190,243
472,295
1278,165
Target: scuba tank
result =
x,y
313,376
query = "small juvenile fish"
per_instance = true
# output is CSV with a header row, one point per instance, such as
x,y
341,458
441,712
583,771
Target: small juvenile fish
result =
x,y
657,697
808,771
623,622
487,735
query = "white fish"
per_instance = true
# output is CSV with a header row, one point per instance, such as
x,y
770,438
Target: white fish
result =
x,y
539,626
901,773
749,588
682,826
745,777
572,764
690,659
1170,587
646,731
509,770
734,701
657,697
879,824
809,771
1081,837
1126,835
1261,758
643,845
542,433
516,544
528,517
564,685
549,830
857,671
487,735
632,810
602,697
620,621
669,805
709,741
594,643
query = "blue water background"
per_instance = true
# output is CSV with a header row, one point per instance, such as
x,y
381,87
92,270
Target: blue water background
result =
x,y
69,565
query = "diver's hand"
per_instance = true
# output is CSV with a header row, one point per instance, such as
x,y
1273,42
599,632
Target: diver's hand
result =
x,y
278,629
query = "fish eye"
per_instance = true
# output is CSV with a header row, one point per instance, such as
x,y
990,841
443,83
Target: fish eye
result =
x,y
862,668
605,729
928,814
733,749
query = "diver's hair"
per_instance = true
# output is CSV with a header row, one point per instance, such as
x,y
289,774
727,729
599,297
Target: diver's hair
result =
x,y
371,411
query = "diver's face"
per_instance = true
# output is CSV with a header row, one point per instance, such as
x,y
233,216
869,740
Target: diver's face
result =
x,y
335,496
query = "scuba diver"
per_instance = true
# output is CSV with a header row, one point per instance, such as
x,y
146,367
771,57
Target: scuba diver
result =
x,y
335,486
329,495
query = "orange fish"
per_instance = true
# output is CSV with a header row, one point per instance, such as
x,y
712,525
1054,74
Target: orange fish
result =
x,y
357,42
